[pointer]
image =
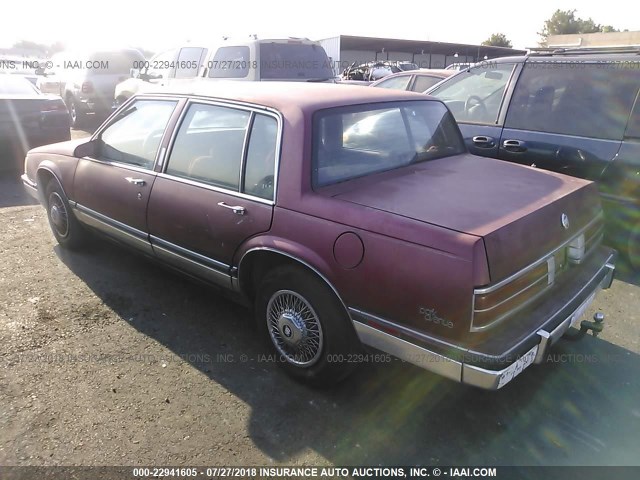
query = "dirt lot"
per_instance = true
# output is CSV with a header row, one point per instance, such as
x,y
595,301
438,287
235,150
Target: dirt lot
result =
x,y
107,359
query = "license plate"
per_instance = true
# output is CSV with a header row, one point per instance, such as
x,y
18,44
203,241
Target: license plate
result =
x,y
577,315
515,369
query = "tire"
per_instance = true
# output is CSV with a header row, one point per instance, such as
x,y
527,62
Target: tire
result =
x,y
316,349
76,116
64,225
633,247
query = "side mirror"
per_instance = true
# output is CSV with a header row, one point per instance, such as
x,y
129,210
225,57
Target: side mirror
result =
x,y
134,73
40,71
87,149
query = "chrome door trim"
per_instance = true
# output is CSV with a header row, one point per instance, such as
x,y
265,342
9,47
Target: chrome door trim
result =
x,y
189,254
192,262
113,228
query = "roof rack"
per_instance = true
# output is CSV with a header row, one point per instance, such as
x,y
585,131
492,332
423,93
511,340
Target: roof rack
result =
x,y
583,50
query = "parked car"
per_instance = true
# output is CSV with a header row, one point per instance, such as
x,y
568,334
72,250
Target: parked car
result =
x,y
28,118
87,80
163,69
414,81
369,72
459,66
282,59
573,112
282,193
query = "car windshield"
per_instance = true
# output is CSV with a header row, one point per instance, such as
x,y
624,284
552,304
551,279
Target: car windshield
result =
x,y
16,85
294,61
351,142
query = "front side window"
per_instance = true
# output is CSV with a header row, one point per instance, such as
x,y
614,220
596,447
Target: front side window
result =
x,y
209,144
396,83
351,142
135,135
588,100
230,62
475,96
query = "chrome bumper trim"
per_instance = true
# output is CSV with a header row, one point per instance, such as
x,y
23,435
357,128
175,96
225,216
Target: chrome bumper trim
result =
x,y
409,352
460,371
549,338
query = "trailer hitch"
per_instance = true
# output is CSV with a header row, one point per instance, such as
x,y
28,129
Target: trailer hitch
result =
x,y
585,326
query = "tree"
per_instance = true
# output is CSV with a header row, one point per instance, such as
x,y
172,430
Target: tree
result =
x,y
498,40
564,22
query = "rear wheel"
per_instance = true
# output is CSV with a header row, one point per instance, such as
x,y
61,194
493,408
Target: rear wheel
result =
x,y
64,225
306,324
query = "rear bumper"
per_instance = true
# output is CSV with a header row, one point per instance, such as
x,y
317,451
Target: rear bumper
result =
x,y
462,364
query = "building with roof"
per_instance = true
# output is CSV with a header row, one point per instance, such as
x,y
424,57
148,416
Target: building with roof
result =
x,y
347,49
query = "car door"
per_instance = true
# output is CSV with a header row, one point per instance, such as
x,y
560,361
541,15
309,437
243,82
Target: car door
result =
x,y
112,187
475,97
216,189
568,118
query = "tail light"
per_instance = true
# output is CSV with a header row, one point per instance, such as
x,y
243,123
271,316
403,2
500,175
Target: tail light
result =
x,y
54,106
492,304
87,87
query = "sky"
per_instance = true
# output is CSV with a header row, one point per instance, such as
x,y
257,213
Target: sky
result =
x,y
156,25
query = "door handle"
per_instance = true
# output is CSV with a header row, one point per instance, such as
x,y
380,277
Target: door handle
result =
x,y
482,141
237,209
136,181
514,145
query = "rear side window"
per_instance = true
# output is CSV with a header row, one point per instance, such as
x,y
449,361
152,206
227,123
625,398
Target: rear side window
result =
x,y
230,62
588,100
396,83
475,96
208,146
261,157
424,82
294,61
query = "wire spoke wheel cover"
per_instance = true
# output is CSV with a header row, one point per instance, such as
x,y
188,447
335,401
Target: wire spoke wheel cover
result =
x,y
58,214
294,328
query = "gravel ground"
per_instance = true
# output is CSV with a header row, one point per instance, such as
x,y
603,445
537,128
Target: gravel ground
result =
x,y
108,359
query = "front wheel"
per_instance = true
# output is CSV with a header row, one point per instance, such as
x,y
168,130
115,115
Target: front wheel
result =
x,y
76,115
307,326
64,225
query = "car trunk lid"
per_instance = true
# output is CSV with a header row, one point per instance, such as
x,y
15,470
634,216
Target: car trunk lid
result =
x,y
517,210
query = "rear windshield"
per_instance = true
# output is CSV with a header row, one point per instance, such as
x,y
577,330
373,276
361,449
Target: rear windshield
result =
x,y
16,85
294,61
350,142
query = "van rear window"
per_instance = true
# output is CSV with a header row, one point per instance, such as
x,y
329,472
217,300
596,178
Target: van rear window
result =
x,y
294,61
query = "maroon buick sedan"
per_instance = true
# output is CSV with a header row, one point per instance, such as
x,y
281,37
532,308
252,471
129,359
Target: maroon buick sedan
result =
x,y
346,216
